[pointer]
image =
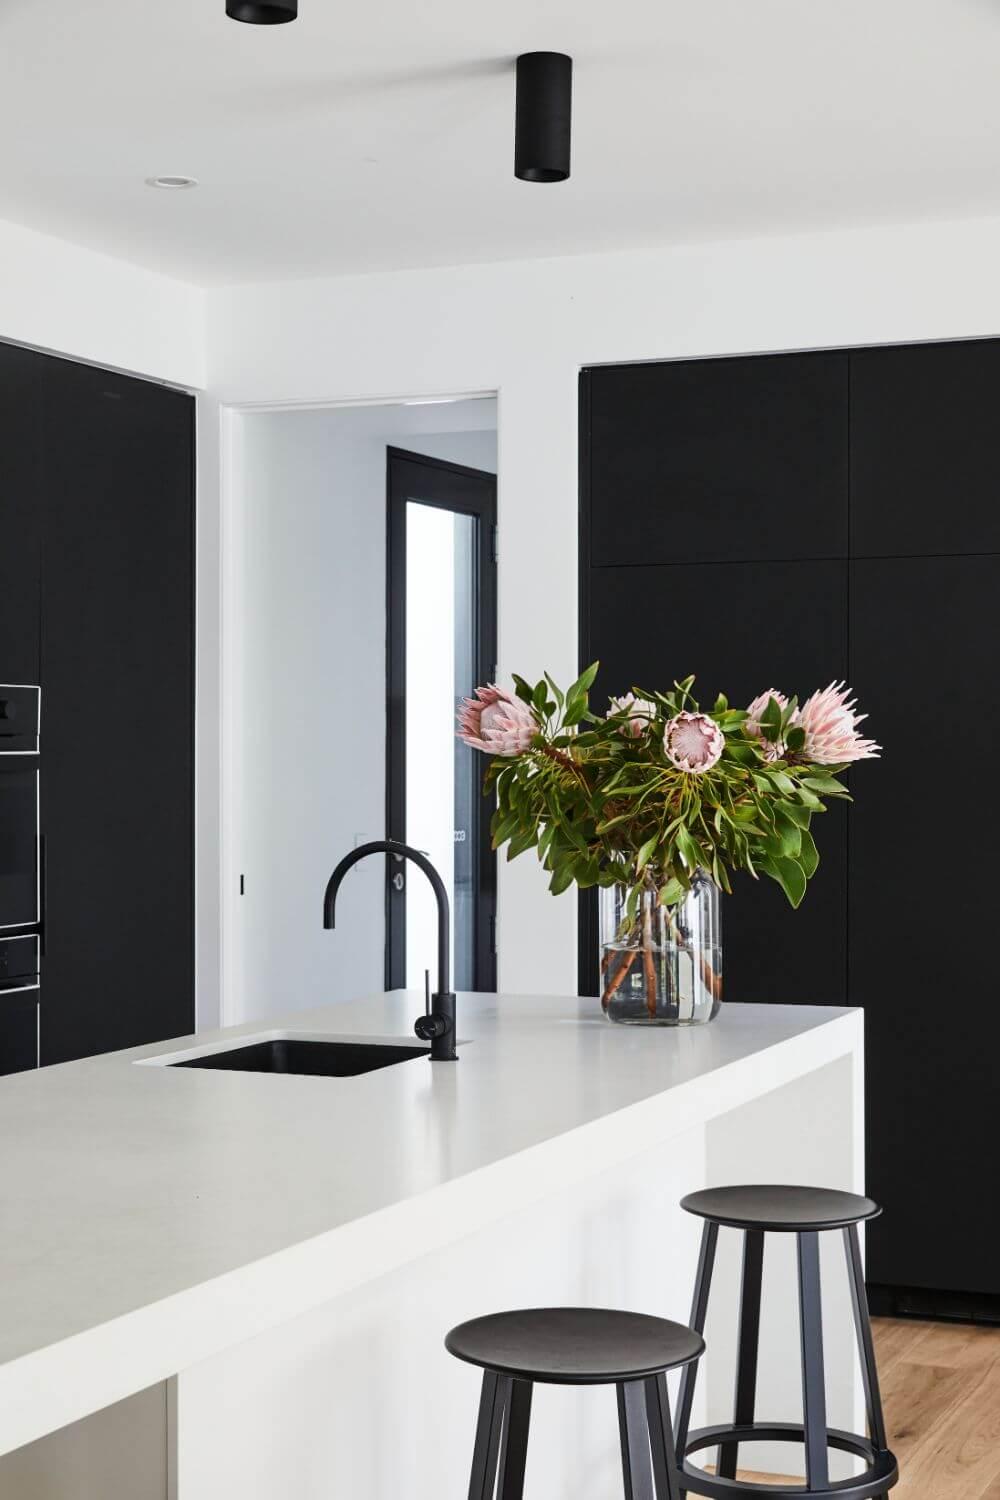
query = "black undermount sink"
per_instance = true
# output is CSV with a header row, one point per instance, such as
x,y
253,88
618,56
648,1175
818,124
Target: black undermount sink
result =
x,y
296,1055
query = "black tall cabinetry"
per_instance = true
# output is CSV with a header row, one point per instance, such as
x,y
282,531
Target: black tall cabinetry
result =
x,y
714,525
100,523
781,522
20,514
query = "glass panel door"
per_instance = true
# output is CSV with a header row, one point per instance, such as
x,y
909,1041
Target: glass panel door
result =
x,y
442,634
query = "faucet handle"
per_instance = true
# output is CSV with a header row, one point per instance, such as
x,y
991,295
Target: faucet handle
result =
x,y
429,1027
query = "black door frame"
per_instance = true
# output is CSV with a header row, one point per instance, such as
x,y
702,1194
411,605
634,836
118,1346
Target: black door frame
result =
x,y
471,492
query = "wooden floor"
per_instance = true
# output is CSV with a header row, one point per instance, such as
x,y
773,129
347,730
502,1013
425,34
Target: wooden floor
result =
x,y
941,1392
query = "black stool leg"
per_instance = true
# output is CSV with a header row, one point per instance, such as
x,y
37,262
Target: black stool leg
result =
x,y
699,1309
634,1432
866,1348
486,1451
514,1451
746,1369
661,1440
813,1377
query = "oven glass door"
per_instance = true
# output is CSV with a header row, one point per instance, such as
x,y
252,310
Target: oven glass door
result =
x,y
19,875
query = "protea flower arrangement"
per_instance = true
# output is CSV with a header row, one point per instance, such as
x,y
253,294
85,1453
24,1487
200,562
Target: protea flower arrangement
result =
x,y
659,802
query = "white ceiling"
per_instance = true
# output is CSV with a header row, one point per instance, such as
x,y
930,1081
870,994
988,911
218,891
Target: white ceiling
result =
x,y
379,134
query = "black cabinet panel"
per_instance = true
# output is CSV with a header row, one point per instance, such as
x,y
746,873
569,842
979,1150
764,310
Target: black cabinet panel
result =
x,y
18,1031
742,629
923,915
725,459
925,454
117,672
20,514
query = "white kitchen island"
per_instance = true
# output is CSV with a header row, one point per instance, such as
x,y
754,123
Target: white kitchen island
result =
x,y
219,1284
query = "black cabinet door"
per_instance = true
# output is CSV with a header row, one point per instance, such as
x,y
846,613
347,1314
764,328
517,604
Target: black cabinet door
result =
x,y
923,911
117,672
20,514
724,459
741,629
18,1031
925,450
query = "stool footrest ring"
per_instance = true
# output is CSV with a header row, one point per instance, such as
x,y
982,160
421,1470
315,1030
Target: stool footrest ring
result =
x,y
880,1474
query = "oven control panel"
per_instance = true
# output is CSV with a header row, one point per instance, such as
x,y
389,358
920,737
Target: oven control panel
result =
x,y
20,718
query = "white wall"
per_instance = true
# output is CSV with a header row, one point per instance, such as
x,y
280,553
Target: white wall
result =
x,y
68,300
524,330
308,543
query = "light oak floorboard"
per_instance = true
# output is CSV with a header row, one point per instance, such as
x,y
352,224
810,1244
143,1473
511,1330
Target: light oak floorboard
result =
x,y
942,1406
941,1393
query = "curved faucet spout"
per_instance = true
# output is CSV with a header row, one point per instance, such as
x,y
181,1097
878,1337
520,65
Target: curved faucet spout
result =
x,y
440,1029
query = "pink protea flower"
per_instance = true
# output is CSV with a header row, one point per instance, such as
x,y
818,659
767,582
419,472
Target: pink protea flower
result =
x,y
772,750
831,727
496,722
693,742
641,713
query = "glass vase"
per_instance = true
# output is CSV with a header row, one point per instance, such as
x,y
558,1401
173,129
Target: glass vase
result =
x,y
664,966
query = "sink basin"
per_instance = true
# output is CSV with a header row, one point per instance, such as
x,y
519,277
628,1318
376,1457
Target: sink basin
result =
x,y
296,1055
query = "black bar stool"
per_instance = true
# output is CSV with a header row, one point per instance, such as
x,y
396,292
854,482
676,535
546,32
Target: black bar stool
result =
x,y
805,1212
574,1346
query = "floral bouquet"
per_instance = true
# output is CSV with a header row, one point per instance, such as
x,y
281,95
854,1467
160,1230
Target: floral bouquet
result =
x,y
658,796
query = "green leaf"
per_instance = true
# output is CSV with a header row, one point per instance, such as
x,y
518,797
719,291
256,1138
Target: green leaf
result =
x,y
584,682
645,852
795,738
808,854
818,782
526,839
770,719
791,878
799,815
789,833
688,849
502,828
557,693
610,823
672,892
561,880
539,695
523,689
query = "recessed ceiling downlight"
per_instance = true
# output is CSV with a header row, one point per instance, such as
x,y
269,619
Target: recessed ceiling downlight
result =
x,y
171,183
262,12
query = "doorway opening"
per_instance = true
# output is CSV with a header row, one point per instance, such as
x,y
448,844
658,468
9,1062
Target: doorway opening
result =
x,y
309,749
442,642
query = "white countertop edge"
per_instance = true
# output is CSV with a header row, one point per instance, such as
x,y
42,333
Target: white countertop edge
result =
x,y
51,1387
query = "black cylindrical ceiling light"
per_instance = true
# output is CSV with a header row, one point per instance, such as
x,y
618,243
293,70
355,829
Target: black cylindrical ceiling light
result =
x,y
543,115
262,12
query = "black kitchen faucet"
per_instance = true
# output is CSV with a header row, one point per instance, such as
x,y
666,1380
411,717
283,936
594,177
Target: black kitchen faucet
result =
x,y
438,1025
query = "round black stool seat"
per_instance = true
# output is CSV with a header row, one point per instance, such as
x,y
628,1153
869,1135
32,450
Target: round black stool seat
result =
x,y
776,1208
574,1345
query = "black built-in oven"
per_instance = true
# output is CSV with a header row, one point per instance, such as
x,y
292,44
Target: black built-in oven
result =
x,y
21,894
